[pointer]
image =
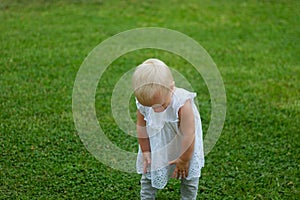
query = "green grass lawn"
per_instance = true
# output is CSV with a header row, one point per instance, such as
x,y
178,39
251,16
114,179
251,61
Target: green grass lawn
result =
x,y
255,45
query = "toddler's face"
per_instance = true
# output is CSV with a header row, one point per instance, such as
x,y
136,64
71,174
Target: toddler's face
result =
x,y
160,102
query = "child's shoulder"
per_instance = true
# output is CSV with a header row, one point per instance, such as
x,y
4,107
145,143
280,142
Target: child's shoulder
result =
x,y
182,94
179,90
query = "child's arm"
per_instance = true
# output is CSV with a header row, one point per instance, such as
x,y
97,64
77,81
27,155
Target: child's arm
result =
x,y
187,128
143,140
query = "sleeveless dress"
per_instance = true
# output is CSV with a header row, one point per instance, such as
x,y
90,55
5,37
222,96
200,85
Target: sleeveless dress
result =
x,y
165,140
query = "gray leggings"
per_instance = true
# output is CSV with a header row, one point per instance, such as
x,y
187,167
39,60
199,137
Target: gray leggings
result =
x,y
188,189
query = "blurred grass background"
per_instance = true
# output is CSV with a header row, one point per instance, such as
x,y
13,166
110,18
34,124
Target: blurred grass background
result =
x,y
255,45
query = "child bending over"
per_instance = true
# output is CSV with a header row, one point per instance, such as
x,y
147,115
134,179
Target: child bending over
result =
x,y
169,131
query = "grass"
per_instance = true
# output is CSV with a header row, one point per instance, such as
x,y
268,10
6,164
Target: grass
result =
x,y
255,45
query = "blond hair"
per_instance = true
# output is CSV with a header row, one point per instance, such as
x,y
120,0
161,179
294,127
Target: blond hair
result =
x,y
150,78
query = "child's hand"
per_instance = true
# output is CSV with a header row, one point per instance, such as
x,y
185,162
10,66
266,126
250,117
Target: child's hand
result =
x,y
147,161
182,168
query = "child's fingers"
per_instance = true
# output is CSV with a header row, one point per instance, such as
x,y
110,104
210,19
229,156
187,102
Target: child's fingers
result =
x,y
186,173
178,174
174,174
145,167
146,164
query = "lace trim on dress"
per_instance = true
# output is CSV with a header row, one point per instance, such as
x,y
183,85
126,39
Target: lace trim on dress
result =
x,y
161,180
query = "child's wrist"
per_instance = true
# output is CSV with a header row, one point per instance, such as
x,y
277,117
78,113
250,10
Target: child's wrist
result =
x,y
145,149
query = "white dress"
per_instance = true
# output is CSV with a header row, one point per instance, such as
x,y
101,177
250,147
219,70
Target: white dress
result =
x,y
165,140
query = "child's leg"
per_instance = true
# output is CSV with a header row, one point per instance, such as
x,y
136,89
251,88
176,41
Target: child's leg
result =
x,y
189,188
147,191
